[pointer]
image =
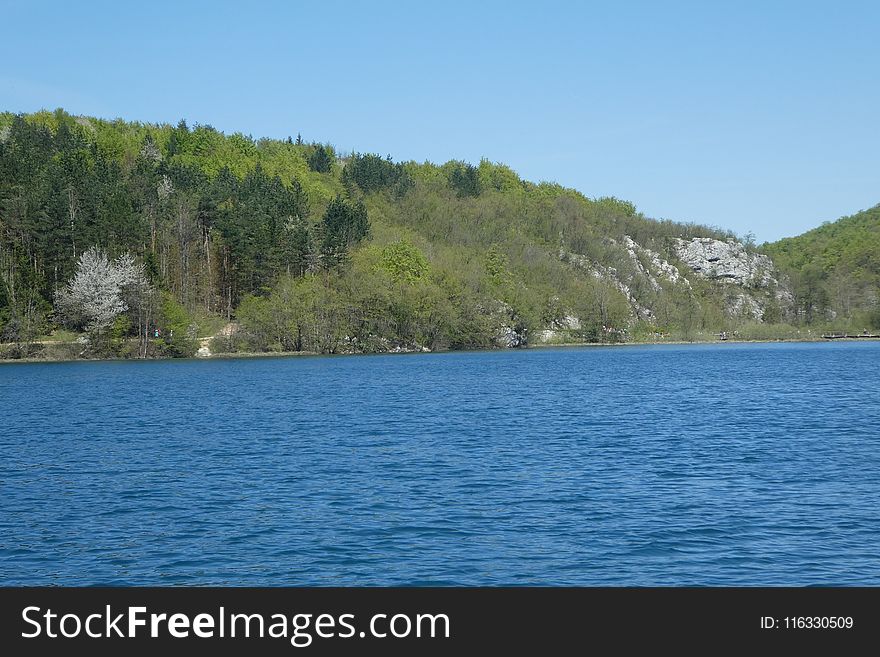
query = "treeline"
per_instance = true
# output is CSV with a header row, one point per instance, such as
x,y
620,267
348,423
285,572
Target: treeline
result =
x,y
303,248
835,271
205,239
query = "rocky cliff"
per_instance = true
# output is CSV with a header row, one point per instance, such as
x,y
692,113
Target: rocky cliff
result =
x,y
743,282
716,259
752,280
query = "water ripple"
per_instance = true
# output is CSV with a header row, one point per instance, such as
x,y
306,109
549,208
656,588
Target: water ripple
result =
x,y
727,464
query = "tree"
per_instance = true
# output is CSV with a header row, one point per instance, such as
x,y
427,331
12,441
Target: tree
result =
x,y
497,267
299,245
179,335
372,173
464,178
320,160
810,294
345,224
404,262
23,310
616,205
101,290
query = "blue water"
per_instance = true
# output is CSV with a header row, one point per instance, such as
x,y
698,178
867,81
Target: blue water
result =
x,y
727,464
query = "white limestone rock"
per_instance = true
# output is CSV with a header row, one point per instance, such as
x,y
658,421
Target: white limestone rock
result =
x,y
657,265
729,259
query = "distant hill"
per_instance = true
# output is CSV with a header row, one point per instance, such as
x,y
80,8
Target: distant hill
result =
x,y
835,269
300,247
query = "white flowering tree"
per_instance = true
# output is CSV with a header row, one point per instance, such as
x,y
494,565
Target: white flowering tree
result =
x,y
101,290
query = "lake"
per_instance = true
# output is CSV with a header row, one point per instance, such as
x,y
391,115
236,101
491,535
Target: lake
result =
x,y
729,464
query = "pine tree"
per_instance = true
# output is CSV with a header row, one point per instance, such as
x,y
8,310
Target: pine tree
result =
x,y
344,225
320,160
465,179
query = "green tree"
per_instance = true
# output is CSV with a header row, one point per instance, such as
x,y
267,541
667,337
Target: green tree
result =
x,y
344,225
464,178
320,160
179,337
404,262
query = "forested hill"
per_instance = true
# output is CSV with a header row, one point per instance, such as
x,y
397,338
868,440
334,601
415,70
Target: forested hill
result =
x,y
133,239
835,269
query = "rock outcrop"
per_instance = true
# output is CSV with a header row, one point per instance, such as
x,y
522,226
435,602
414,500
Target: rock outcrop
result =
x,y
748,280
728,259
656,266
509,332
611,275
643,274
558,329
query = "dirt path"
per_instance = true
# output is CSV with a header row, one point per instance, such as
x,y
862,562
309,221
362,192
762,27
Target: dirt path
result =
x,y
204,350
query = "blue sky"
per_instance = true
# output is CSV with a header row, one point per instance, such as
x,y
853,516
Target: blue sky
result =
x,y
761,117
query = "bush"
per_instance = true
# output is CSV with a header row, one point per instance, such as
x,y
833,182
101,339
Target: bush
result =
x,y
179,333
404,262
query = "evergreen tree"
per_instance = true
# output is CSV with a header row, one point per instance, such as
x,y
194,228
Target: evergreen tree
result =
x,y
372,173
465,179
320,160
344,225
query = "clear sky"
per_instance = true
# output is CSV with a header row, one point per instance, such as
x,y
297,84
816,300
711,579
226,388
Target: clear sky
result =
x,y
754,116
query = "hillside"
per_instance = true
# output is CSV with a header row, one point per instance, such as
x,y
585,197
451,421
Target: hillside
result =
x,y
835,270
140,239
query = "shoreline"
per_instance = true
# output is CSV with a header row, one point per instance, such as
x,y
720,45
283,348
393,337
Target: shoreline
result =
x,y
301,354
